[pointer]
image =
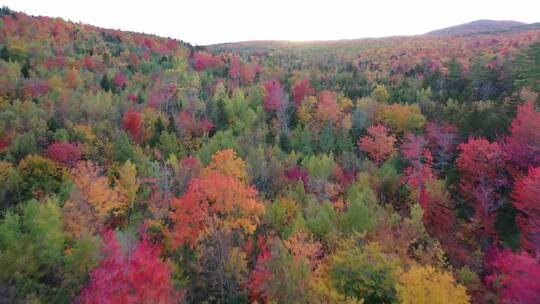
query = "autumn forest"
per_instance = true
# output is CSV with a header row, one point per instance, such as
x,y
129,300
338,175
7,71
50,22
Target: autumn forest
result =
x,y
141,169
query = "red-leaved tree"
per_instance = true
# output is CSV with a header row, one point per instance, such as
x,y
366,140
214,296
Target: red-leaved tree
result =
x,y
522,147
378,144
204,60
526,197
516,277
130,275
64,152
442,141
482,166
133,123
419,172
274,97
301,89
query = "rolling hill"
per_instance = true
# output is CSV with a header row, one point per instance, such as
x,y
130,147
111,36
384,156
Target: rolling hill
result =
x,y
476,27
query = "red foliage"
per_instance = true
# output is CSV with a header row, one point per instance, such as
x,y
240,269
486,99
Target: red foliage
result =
x,y
204,60
213,199
136,276
260,274
134,60
63,152
378,144
132,97
526,195
438,216
206,125
273,96
239,71
88,62
73,79
517,277
482,166
4,142
327,108
298,174
522,147
35,88
248,72
234,68
442,141
190,214
419,157
133,123
193,126
120,80
301,89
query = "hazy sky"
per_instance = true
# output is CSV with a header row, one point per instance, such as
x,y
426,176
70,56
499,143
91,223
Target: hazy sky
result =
x,y
205,22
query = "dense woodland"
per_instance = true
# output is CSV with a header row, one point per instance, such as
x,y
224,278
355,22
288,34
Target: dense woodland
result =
x,y
141,169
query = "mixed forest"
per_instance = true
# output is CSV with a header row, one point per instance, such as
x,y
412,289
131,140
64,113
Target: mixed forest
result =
x,y
142,169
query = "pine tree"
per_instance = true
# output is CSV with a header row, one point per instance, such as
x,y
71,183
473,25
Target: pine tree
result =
x,y
105,83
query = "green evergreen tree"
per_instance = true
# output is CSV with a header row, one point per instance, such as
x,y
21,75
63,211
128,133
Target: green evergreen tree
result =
x,y
284,142
327,141
105,83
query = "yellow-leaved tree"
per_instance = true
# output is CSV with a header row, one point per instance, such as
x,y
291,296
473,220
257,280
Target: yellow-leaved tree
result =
x,y
427,285
92,200
127,186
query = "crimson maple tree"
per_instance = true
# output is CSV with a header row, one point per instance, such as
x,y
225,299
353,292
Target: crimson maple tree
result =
x,y
526,194
516,277
64,152
482,166
133,275
301,89
273,96
523,145
378,144
133,123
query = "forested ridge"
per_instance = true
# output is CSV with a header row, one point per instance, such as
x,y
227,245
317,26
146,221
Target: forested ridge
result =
x,y
142,169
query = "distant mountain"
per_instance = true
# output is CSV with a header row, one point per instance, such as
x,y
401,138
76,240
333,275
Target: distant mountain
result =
x,y
476,27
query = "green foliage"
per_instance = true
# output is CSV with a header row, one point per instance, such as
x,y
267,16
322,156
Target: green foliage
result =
x,y
168,144
221,140
364,272
32,242
122,148
321,219
528,67
282,215
288,277
23,145
78,262
363,211
320,166
40,176
301,141
380,93
327,142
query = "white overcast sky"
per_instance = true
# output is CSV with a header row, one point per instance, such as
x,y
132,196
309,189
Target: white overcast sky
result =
x,y
205,22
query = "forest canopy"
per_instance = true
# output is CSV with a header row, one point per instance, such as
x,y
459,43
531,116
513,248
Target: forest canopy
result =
x,y
141,169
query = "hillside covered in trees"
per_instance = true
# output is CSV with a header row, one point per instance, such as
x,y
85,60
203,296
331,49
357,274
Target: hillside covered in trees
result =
x,y
142,169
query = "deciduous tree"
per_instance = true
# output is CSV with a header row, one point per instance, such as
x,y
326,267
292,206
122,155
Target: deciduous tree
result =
x,y
135,274
378,144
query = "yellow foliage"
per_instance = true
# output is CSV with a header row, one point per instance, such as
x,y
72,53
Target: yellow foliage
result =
x,y
127,184
400,117
304,115
95,189
78,217
427,285
225,162
345,104
85,132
